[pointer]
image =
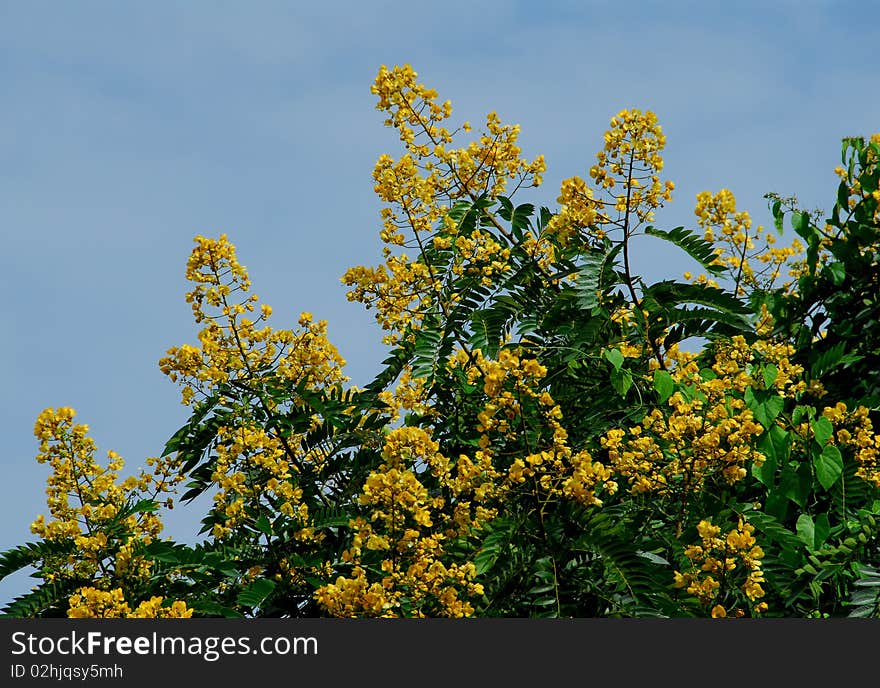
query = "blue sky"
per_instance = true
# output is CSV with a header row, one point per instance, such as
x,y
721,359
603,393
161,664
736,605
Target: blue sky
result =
x,y
129,128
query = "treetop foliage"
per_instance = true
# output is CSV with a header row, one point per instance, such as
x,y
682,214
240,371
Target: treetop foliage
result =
x,y
551,435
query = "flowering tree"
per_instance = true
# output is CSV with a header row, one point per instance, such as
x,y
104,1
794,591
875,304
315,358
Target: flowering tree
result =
x,y
540,442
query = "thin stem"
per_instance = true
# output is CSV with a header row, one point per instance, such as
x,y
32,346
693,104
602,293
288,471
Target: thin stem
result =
x,y
626,266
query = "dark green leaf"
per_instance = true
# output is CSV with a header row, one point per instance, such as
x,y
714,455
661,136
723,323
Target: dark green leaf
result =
x,y
17,558
806,530
838,273
587,282
773,529
822,430
796,484
210,608
800,222
764,404
769,373
774,444
670,293
263,525
256,592
664,385
778,216
829,466
615,358
696,247
621,380
828,360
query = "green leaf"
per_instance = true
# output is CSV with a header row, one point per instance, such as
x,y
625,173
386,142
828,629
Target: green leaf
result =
x,y
484,561
544,601
167,552
664,385
773,529
30,553
615,358
427,345
829,466
621,380
142,506
866,595
843,196
263,525
806,530
838,273
799,412
48,598
709,318
587,283
670,293
211,608
778,216
776,505
695,246
521,219
256,592
329,517
827,360
769,373
540,589
505,212
395,363
775,445
822,430
495,542
800,222
764,404
796,484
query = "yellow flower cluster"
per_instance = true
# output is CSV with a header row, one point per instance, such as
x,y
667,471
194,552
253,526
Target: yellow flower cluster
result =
x,y
85,498
354,596
579,210
631,158
718,565
255,468
855,431
738,251
94,603
409,395
402,290
553,468
706,432
628,170
396,290
419,190
484,166
237,344
254,475
478,254
407,528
